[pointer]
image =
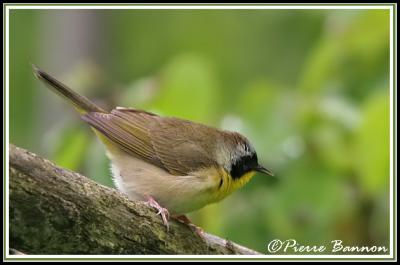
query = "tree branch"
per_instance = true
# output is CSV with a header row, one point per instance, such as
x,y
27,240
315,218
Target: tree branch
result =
x,y
56,211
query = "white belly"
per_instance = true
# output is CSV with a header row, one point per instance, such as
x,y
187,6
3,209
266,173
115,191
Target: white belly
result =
x,y
179,194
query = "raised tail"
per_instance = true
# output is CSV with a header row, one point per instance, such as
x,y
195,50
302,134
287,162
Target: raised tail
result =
x,y
80,103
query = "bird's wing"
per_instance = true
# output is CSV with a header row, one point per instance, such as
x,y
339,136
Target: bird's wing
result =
x,y
172,144
182,145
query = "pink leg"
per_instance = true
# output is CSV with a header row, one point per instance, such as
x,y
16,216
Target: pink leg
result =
x,y
184,219
161,211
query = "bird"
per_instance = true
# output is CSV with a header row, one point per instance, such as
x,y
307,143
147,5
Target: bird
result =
x,y
177,166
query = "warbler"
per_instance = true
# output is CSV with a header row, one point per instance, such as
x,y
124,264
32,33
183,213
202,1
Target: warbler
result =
x,y
176,165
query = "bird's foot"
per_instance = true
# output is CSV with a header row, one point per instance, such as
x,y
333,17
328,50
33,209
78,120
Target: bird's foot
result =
x,y
161,211
185,220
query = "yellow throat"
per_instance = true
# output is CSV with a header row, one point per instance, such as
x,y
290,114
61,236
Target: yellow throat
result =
x,y
230,184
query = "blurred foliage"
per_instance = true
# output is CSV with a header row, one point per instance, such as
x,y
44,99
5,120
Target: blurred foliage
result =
x,y
309,88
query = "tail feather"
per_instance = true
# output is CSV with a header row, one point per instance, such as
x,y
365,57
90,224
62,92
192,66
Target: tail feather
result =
x,y
81,103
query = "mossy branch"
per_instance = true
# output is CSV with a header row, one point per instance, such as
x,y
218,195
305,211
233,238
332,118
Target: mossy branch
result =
x,y
56,211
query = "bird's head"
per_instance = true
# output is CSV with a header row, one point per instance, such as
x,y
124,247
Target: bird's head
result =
x,y
239,156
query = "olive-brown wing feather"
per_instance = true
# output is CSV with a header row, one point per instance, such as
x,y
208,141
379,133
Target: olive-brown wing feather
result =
x,y
131,135
183,146
172,144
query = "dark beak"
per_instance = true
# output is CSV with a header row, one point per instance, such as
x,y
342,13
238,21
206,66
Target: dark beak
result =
x,y
263,170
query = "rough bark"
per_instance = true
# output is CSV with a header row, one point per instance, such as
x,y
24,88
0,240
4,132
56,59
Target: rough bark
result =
x,y
56,211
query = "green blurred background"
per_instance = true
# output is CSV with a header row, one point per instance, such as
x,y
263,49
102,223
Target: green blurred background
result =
x,y
309,88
